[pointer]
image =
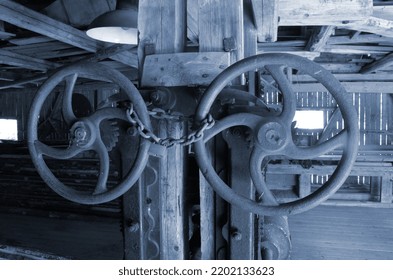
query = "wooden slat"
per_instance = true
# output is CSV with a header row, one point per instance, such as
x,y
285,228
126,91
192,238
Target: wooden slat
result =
x,y
19,60
162,27
328,232
328,12
23,17
266,19
192,21
380,64
363,87
194,68
373,25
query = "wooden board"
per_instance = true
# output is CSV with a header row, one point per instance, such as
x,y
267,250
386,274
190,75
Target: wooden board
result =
x,y
219,20
266,19
23,17
328,12
362,87
183,69
342,233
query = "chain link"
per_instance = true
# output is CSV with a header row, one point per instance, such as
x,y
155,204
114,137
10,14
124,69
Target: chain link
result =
x,y
186,140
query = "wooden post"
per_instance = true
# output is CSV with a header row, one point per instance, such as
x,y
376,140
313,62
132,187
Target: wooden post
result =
x,y
219,21
266,19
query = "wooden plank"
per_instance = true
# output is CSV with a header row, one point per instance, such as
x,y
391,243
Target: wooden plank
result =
x,y
377,65
386,189
163,24
362,87
319,38
348,77
373,25
192,21
19,60
183,69
365,38
219,20
23,17
327,12
304,187
266,19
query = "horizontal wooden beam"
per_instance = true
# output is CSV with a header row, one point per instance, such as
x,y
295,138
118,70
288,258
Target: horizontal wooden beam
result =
x,y
23,17
183,69
327,12
358,87
373,25
23,61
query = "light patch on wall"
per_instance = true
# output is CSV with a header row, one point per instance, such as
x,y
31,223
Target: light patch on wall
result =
x,y
8,129
309,119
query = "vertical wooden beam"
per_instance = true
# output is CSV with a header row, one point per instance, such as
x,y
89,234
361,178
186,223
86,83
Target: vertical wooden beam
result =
x,y
386,189
219,20
304,187
266,19
162,27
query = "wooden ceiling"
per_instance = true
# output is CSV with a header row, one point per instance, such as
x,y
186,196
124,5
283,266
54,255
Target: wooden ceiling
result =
x,y
351,38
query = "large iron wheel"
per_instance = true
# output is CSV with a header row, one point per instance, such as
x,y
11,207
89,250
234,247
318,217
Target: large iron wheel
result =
x,y
272,136
85,133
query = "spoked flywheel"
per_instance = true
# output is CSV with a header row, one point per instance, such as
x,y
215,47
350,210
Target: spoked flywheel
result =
x,y
272,135
96,132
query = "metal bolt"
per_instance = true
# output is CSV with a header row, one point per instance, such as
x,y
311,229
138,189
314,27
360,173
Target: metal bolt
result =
x,y
133,227
273,137
236,235
80,134
132,131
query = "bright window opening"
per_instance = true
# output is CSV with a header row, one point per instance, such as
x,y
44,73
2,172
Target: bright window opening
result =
x,y
8,129
309,119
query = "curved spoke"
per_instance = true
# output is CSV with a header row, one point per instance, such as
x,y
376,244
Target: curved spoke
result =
x,y
311,152
68,153
68,113
289,101
108,113
240,119
102,152
256,160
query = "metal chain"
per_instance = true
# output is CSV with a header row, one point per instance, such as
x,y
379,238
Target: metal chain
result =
x,y
186,140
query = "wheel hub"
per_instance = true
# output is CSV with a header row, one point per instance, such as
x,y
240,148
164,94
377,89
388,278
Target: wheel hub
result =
x,y
272,136
82,134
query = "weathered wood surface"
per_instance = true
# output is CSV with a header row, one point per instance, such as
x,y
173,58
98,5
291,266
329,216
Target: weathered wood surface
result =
x,y
162,24
319,38
266,19
362,87
183,69
328,12
342,233
23,17
19,60
219,20
380,64
373,25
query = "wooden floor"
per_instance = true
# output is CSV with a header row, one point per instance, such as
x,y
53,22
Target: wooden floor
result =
x,y
75,239
342,233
